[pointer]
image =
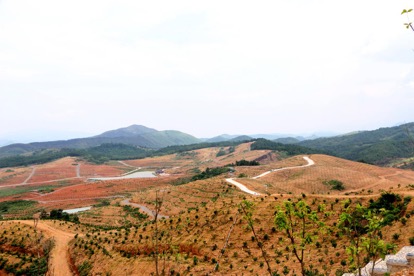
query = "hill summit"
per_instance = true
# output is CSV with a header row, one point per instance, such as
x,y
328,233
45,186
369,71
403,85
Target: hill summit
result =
x,y
130,131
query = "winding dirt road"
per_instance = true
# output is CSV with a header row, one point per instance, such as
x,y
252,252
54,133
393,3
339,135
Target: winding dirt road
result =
x,y
59,256
247,190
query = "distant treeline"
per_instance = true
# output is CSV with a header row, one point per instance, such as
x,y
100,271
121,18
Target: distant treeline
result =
x,y
289,149
244,163
106,152
99,155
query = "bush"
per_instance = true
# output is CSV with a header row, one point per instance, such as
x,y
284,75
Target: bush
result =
x,y
335,185
210,172
221,152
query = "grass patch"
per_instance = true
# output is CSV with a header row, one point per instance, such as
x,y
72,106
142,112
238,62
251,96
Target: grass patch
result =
x,y
13,191
10,207
46,190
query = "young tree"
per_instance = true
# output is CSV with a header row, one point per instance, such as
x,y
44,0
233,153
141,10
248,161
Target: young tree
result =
x,y
351,223
363,229
297,219
373,245
247,208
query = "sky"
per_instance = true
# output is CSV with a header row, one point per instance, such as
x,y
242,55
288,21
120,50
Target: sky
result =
x,y
79,68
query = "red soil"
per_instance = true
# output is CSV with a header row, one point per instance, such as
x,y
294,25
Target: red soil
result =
x,y
59,169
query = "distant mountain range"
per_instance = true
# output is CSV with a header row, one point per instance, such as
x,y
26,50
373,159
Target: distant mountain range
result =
x,y
135,135
380,146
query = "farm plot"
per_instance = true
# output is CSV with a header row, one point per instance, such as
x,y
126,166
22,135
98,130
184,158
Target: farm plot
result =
x,y
90,193
60,169
12,176
106,170
166,161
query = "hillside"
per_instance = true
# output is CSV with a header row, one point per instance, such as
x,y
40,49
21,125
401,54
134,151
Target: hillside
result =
x,y
133,135
116,151
203,224
357,178
380,146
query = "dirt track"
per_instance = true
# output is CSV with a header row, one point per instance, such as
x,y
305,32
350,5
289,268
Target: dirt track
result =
x,y
59,257
30,176
247,190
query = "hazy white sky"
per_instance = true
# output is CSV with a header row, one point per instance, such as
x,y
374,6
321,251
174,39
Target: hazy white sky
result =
x,y
204,67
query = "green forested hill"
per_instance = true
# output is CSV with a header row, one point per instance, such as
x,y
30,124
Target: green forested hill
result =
x,y
150,139
379,146
289,149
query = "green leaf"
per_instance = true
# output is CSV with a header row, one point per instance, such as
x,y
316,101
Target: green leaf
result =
x,y
410,10
404,11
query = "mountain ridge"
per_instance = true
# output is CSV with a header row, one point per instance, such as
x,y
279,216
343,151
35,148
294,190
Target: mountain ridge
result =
x,y
134,135
380,146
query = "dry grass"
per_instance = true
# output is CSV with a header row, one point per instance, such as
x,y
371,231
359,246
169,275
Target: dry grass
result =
x,y
357,178
201,233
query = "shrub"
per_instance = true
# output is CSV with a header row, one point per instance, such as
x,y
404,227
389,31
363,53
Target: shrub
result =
x,y
335,184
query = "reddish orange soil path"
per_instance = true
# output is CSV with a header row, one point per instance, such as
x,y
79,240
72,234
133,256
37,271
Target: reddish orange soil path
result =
x,y
59,256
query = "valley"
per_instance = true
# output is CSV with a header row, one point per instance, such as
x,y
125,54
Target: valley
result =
x,y
201,227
